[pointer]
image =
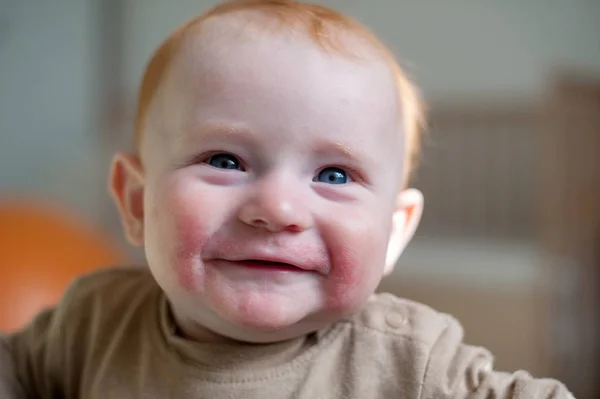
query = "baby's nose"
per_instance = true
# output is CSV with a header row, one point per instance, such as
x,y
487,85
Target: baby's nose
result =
x,y
276,205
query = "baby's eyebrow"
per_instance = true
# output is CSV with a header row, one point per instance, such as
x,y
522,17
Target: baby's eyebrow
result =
x,y
344,149
354,155
217,131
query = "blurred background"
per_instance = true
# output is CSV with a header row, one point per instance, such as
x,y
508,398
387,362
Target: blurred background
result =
x,y
510,241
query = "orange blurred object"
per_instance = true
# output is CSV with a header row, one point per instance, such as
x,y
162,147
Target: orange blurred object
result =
x,y
41,251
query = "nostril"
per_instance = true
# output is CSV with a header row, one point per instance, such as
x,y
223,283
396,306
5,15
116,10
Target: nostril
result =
x,y
294,228
259,223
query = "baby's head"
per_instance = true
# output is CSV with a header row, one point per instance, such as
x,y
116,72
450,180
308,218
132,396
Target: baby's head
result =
x,y
274,141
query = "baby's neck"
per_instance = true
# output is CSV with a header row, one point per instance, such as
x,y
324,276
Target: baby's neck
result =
x,y
201,334
210,331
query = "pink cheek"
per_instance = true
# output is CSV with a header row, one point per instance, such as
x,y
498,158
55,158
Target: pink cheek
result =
x,y
186,278
186,236
345,281
355,273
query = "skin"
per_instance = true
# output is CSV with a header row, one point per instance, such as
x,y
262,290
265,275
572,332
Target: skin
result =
x,y
267,149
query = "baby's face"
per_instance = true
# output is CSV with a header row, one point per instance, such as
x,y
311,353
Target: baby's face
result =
x,y
271,174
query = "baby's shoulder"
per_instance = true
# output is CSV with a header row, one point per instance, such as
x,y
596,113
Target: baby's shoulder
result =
x,y
404,319
103,293
112,279
109,282
397,337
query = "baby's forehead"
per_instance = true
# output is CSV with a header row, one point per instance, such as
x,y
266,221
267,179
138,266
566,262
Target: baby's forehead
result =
x,y
289,69
244,36
227,51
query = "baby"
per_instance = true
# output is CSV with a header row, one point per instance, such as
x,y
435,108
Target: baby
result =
x,y
274,143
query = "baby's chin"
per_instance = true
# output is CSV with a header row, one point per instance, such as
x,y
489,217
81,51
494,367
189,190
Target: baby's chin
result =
x,y
266,313
264,316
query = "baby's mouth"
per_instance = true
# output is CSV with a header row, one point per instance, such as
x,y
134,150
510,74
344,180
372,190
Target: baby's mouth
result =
x,y
267,265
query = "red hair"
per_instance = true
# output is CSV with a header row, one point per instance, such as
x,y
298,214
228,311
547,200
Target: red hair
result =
x,y
316,22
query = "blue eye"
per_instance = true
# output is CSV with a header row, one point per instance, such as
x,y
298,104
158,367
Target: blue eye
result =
x,y
224,161
332,176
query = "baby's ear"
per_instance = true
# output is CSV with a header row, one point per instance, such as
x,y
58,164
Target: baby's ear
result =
x,y
126,185
406,218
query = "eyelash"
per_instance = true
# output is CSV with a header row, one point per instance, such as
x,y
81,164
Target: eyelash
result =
x,y
205,157
241,163
353,173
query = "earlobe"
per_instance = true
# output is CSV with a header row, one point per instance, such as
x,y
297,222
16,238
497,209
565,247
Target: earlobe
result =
x,y
405,220
126,185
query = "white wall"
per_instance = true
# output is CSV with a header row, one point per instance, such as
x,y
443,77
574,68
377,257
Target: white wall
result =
x,y
47,135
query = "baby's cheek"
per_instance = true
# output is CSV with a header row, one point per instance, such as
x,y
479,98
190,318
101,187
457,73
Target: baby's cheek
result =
x,y
189,241
357,268
184,235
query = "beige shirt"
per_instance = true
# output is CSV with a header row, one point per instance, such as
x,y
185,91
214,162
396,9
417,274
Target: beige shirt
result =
x,y
112,336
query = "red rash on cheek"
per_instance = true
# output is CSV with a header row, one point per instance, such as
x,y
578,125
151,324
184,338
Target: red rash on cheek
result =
x,y
187,259
185,278
344,279
183,237
356,270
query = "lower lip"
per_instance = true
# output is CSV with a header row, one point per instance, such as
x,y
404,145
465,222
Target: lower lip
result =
x,y
267,266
